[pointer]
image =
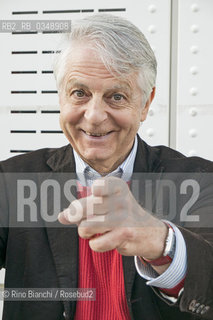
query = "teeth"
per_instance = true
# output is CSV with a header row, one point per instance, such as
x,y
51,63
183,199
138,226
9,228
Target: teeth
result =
x,y
95,134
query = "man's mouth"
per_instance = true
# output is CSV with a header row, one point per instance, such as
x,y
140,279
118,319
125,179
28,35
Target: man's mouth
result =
x,y
97,134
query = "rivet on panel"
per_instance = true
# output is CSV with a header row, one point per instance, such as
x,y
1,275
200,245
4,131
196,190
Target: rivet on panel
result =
x,y
194,49
192,153
192,133
152,8
193,91
150,132
194,7
152,29
193,112
194,70
194,28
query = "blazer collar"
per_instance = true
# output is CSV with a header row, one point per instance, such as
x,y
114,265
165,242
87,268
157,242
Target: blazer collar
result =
x,y
62,159
147,158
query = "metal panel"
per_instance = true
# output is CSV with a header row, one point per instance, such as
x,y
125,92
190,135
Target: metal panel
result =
x,y
195,101
27,68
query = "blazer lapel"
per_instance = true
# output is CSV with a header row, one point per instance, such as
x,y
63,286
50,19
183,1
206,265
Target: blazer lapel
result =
x,y
146,161
63,240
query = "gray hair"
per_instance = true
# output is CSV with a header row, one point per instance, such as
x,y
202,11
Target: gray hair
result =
x,y
120,44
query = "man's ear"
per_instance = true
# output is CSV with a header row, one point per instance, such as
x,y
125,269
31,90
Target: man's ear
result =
x,y
147,105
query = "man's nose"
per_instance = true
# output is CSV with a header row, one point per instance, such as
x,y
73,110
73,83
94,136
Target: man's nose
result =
x,y
96,111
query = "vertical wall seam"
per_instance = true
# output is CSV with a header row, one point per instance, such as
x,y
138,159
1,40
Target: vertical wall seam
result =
x,y
173,74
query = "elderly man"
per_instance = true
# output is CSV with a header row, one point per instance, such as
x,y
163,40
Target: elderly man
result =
x,y
141,266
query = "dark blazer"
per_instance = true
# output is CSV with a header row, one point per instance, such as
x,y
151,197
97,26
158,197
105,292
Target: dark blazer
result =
x,y
48,257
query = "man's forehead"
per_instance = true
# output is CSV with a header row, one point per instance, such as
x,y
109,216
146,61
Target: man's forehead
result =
x,y
116,83
85,67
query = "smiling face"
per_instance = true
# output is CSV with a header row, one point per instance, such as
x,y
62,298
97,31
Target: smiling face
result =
x,y
100,114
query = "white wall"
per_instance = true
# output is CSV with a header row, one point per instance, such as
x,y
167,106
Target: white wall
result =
x,y
195,68
180,34
152,18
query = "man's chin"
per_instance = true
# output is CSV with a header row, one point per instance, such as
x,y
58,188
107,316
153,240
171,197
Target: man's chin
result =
x,y
98,156
95,158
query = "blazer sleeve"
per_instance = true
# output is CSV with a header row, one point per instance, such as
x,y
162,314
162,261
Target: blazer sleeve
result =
x,y
197,296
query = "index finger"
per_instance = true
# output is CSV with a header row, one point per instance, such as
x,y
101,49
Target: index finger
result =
x,y
82,209
74,213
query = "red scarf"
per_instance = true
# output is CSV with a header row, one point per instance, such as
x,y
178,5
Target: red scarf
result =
x,y
104,272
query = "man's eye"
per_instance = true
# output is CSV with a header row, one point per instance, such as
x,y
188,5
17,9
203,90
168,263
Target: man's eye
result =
x,y
118,96
78,93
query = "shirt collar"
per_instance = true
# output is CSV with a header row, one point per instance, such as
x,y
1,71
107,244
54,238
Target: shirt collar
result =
x,y
86,175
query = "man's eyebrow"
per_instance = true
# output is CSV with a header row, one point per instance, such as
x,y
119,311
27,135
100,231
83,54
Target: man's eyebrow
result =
x,y
75,83
120,87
